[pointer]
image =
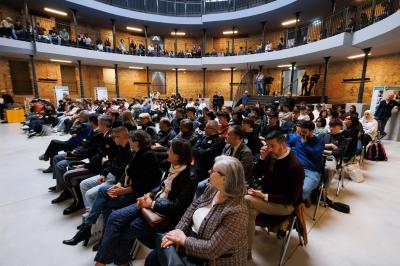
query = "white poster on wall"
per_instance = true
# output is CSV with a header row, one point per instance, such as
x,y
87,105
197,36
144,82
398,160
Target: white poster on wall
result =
x,y
60,92
101,93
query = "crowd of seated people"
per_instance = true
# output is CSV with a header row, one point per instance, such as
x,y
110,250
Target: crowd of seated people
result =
x,y
205,176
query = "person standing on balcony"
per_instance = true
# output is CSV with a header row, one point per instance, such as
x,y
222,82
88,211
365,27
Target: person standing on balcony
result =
x,y
245,98
259,83
221,101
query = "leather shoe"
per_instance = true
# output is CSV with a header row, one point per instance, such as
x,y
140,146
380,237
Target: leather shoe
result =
x,y
76,206
63,197
53,189
48,170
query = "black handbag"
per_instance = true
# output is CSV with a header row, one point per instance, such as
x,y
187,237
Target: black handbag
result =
x,y
171,257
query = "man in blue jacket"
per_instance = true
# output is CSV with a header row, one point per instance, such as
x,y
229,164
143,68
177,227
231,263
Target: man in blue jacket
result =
x,y
79,132
309,150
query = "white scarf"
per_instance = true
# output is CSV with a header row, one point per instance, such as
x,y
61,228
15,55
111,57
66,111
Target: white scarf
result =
x,y
172,173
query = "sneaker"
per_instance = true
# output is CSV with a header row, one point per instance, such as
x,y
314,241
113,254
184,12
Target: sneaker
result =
x,y
25,127
48,170
43,157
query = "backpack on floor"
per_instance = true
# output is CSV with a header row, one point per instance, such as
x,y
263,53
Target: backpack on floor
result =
x,y
376,152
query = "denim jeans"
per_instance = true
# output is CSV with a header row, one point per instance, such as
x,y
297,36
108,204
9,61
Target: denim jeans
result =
x,y
89,188
104,204
259,88
311,181
122,228
201,186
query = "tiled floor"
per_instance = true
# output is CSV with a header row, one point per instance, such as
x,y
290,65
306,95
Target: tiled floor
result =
x,y
32,229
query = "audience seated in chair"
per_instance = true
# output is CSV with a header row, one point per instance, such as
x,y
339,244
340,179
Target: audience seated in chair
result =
x,y
170,199
213,228
308,150
282,178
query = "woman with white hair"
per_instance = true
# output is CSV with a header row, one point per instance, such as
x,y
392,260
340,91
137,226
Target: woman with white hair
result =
x,y
370,127
213,229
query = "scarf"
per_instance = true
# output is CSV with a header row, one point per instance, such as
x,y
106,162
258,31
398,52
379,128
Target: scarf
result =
x,y
173,172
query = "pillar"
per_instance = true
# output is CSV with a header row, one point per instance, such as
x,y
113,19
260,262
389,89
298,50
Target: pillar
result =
x,y
296,29
75,26
231,92
263,36
114,33
148,81
176,43
145,41
364,72
203,46
233,40
35,82
204,82
116,80
26,12
323,97
81,79
176,82
292,77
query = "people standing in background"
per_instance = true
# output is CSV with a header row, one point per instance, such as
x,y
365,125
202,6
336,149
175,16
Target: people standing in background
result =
x,y
384,112
304,82
259,83
221,101
245,98
290,101
215,101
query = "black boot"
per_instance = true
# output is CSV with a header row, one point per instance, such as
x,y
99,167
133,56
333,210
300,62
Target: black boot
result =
x,y
53,189
75,206
78,203
63,197
82,235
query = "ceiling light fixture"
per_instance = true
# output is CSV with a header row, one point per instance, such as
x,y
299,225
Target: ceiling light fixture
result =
x,y
289,22
135,67
357,56
134,29
227,69
180,69
55,11
281,66
61,61
229,32
178,33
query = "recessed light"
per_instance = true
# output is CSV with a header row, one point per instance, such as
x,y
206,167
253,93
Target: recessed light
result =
x,y
227,69
178,33
135,67
285,66
60,61
357,56
55,11
134,29
180,69
229,32
289,22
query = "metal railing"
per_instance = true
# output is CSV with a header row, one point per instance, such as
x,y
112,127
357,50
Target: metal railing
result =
x,y
349,19
247,82
184,7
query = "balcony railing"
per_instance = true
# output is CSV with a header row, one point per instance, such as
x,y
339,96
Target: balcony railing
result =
x,y
185,8
349,19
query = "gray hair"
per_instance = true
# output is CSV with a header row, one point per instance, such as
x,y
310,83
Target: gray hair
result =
x,y
105,120
232,168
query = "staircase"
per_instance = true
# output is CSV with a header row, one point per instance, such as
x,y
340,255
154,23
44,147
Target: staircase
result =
x,y
264,100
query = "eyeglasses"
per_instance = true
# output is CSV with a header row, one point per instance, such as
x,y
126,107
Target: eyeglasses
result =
x,y
215,171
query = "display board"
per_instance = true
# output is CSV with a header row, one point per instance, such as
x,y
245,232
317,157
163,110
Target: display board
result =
x,y
101,93
60,92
